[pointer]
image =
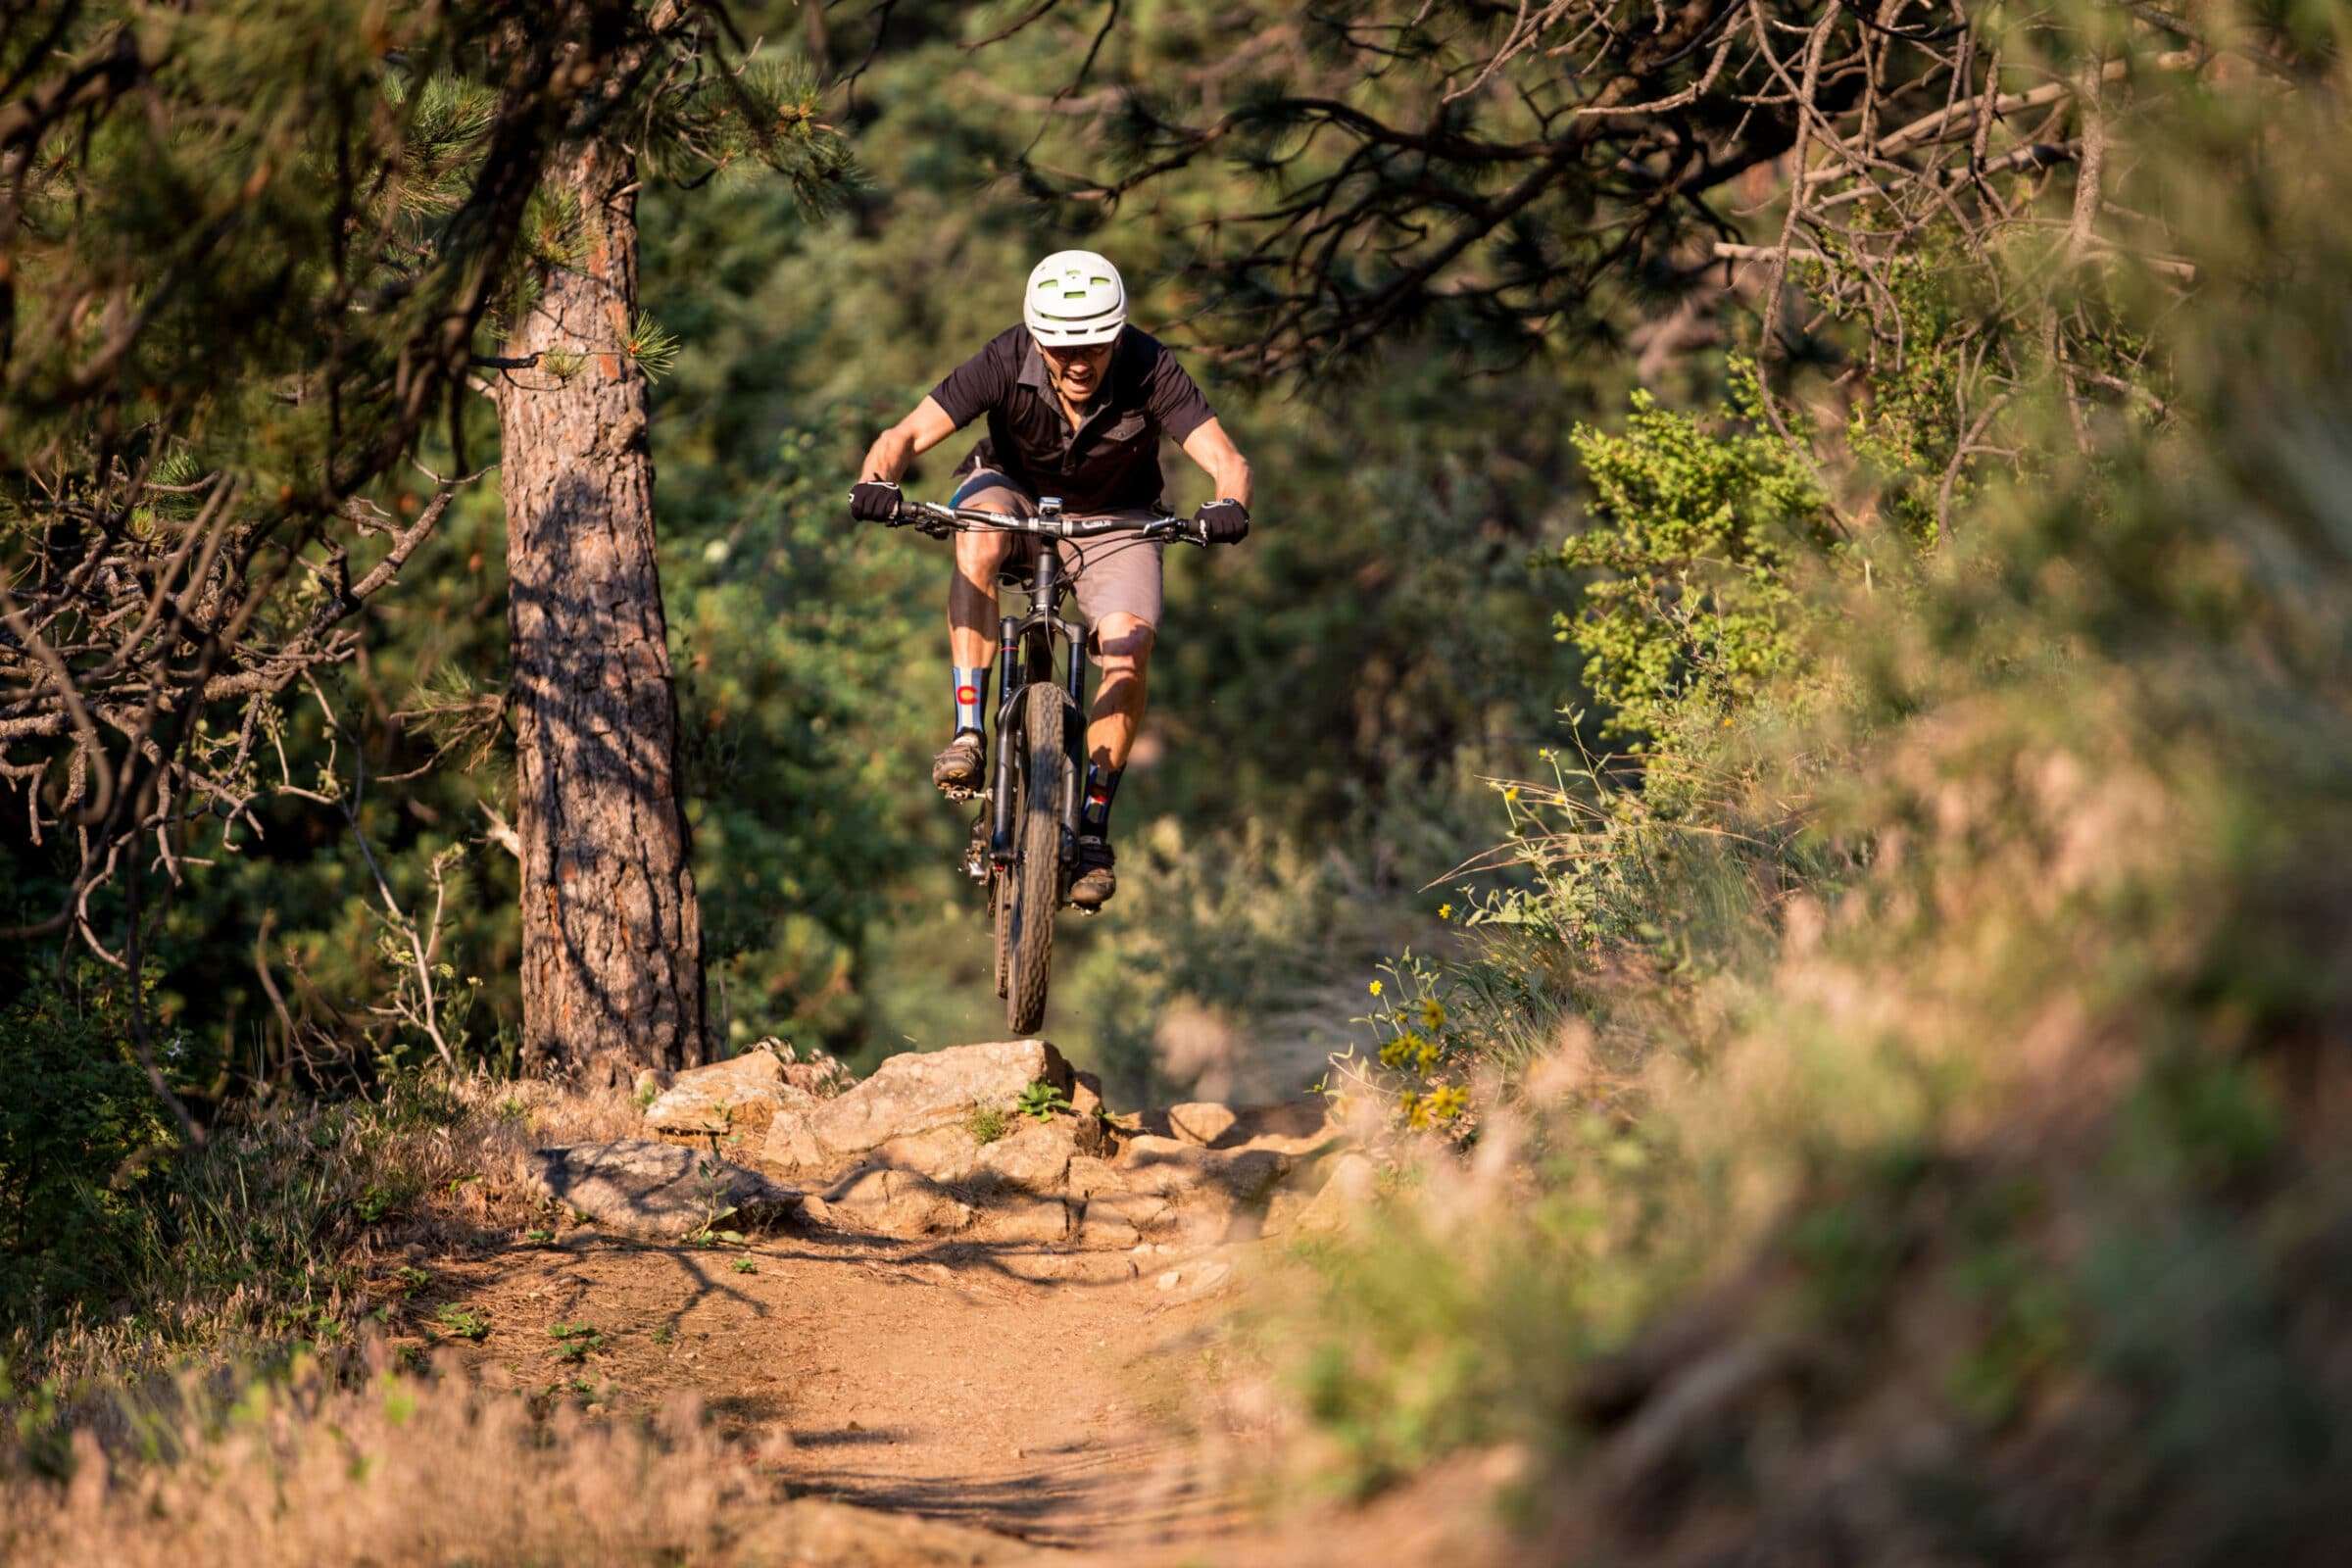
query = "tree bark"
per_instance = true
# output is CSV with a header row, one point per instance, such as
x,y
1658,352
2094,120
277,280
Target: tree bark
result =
x,y
611,928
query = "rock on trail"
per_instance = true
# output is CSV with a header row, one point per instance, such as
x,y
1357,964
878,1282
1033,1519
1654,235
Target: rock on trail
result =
x,y
910,1093
657,1189
939,1144
740,1095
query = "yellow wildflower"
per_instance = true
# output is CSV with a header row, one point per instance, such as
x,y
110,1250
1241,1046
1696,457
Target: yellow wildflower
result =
x,y
1432,1014
1374,987
1444,911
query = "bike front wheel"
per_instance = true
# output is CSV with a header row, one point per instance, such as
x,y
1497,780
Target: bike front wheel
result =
x,y
1030,888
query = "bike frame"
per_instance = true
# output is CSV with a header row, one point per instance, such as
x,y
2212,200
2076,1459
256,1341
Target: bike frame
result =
x,y
1025,651
1024,658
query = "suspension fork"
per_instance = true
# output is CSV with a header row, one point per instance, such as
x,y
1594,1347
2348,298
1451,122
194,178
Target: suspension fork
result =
x,y
1073,742
1008,689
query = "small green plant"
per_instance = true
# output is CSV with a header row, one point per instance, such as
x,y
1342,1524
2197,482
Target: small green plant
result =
x,y
1041,1100
381,1200
987,1123
541,1236
1419,1046
576,1341
664,1335
744,1265
462,1322
646,1094
712,1181
412,1278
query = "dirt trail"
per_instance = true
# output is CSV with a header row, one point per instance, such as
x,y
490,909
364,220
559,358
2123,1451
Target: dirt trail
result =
x,y
1002,1327
947,1381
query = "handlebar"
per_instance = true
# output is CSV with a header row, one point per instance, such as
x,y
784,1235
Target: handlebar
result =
x,y
938,521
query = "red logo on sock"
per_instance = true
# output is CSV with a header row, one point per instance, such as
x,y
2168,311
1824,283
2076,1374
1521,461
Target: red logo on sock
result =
x,y
967,693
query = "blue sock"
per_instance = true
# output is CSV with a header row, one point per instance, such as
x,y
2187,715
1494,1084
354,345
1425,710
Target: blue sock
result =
x,y
1093,816
971,695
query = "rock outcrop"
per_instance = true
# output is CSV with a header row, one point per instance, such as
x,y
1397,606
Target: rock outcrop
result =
x,y
741,1095
659,1190
1003,1142
914,1093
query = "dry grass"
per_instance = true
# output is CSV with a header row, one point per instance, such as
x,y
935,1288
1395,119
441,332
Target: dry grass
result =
x,y
290,1224
399,1470
312,1471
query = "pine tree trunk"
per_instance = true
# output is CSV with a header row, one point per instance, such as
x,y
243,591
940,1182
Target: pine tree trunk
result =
x,y
611,928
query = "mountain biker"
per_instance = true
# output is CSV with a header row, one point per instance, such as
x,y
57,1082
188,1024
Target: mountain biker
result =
x,y
1077,402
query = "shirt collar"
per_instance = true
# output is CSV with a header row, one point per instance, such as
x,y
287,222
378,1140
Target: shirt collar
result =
x,y
1033,367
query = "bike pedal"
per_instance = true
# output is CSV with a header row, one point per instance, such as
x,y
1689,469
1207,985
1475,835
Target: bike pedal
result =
x,y
957,793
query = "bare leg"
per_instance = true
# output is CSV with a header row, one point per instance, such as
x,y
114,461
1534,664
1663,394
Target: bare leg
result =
x,y
972,592
1125,643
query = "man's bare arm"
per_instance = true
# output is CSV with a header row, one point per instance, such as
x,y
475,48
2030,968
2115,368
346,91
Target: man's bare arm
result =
x,y
1211,448
899,445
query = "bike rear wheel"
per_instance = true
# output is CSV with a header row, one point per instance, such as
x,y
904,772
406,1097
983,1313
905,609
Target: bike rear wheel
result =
x,y
1029,890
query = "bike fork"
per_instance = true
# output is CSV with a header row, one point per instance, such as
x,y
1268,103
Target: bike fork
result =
x,y
1000,831
1074,743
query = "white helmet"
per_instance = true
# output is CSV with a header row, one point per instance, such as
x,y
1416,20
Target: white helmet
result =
x,y
1075,297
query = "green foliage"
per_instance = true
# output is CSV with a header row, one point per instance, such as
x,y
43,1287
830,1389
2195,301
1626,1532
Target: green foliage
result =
x,y
462,1322
82,1145
1902,432
1460,1313
1690,604
1041,1101
574,1342
1416,1043
650,345
1953,1008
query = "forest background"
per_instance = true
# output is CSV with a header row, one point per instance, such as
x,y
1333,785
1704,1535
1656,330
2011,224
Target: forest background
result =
x,y
1920,1048
1314,756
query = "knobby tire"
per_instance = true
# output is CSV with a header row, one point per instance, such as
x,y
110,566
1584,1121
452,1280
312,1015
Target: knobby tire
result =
x,y
1030,888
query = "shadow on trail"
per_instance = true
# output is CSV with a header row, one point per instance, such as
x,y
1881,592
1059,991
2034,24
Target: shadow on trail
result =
x,y
1078,1495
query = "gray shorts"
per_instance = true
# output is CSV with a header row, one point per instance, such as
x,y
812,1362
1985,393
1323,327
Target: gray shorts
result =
x,y
1115,576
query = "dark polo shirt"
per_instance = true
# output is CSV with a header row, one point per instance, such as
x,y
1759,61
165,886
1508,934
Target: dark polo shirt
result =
x,y
1111,463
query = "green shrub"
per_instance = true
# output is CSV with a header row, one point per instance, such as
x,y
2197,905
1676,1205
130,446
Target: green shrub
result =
x,y
79,1132
1699,525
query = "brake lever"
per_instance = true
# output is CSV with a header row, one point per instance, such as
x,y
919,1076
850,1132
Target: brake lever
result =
x,y
1178,529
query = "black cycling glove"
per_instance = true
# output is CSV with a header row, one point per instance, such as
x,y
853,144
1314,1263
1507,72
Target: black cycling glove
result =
x,y
1225,522
875,500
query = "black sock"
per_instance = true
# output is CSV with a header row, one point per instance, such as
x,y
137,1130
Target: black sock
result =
x,y
971,697
1094,815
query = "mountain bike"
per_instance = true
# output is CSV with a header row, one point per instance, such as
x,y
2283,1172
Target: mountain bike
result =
x,y
1025,844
